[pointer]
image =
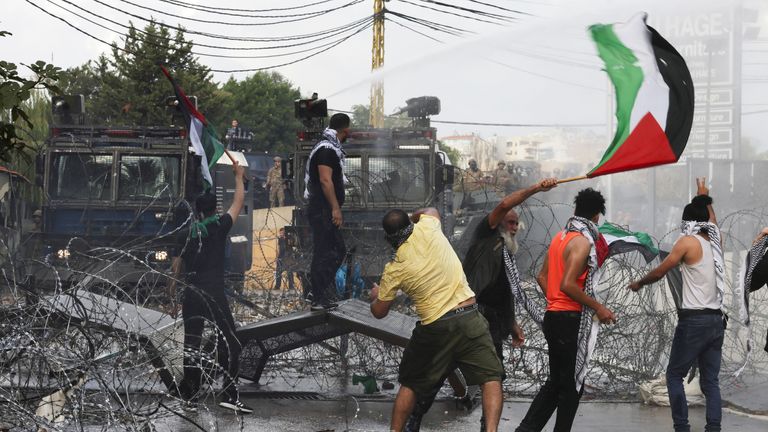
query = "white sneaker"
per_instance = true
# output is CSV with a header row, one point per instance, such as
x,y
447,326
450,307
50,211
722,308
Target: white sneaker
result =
x,y
236,406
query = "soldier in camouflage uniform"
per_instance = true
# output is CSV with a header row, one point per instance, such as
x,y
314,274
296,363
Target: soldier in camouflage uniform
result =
x,y
275,184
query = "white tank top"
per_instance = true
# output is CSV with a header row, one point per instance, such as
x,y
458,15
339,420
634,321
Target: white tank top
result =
x,y
700,280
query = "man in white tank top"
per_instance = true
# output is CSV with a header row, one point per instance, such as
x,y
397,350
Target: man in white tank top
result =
x,y
701,326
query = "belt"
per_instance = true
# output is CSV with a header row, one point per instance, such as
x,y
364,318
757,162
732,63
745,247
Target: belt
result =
x,y
685,313
458,311
566,314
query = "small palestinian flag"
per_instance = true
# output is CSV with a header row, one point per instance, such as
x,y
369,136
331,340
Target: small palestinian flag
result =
x,y
654,96
622,241
201,134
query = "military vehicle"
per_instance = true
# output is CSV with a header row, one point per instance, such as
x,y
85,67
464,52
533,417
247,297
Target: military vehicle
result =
x,y
115,199
387,168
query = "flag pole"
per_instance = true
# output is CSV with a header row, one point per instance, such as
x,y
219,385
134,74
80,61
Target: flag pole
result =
x,y
570,179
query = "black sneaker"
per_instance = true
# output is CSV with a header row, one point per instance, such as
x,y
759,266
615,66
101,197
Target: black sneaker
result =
x,y
236,406
322,307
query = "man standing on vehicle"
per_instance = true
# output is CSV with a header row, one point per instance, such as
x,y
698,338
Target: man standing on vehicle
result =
x,y
275,184
451,332
324,177
701,323
202,260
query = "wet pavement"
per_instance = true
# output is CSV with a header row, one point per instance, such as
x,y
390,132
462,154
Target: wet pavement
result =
x,y
372,415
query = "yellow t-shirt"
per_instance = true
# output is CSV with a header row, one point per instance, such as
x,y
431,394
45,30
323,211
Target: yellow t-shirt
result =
x,y
426,269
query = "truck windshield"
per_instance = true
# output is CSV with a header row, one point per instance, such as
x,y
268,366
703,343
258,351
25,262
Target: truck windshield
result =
x,y
395,179
81,176
148,177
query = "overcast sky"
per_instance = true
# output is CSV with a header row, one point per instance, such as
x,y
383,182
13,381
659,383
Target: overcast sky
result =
x,y
539,69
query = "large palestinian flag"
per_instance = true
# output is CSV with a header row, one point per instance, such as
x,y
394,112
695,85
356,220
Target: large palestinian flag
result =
x,y
201,134
654,96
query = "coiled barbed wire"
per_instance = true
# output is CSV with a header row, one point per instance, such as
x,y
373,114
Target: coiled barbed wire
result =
x,y
100,355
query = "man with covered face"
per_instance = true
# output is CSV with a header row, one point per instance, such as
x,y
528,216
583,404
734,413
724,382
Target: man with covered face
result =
x,y
451,332
486,272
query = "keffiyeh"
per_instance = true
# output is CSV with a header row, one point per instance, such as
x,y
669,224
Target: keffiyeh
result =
x,y
397,238
588,328
742,290
331,141
688,228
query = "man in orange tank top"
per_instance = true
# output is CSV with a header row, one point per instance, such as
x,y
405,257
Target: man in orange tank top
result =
x,y
562,278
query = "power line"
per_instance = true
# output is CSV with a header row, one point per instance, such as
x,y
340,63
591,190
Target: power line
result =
x,y
214,9
474,123
292,17
203,54
212,70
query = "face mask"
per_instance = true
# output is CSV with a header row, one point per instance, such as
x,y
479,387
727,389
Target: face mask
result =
x,y
399,237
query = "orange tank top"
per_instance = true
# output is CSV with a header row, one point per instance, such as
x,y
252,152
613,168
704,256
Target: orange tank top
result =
x,y
557,300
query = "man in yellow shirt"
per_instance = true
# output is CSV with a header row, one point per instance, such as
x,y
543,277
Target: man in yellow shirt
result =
x,y
450,331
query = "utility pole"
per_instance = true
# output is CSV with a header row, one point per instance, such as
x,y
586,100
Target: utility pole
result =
x,y
377,61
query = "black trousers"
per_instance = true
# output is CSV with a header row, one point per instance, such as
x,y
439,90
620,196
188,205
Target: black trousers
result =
x,y
327,255
198,306
561,330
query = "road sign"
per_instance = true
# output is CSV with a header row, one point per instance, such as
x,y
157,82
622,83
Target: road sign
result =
x,y
717,116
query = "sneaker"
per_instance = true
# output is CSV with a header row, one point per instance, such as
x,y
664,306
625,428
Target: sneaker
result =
x,y
323,307
236,406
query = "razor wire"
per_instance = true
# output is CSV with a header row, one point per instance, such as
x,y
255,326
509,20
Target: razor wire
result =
x,y
83,352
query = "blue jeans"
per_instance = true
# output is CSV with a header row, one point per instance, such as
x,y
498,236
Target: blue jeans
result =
x,y
697,338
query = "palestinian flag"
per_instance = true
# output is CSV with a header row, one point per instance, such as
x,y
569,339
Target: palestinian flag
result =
x,y
654,96
622,241
201,134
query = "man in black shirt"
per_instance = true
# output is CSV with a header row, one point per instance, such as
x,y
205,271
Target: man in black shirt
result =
x,y
485,270
202,259
324,178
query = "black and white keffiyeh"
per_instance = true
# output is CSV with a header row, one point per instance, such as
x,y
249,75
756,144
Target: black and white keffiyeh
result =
x,y
743,288
521,299
588,327
331,141
397,238
689,228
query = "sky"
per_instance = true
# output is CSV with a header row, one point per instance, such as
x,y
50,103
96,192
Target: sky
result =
x,y
540,69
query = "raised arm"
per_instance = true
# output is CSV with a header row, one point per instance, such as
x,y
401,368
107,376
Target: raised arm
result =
x,y
702,189
239,199
431,211
516,198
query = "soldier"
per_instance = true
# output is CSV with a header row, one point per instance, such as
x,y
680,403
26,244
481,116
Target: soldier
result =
x,y
473,177
500,177
275,184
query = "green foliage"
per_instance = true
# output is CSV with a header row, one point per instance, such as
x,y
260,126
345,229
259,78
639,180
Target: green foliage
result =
x,y
15,90
263,104
127,87
361,118
453,154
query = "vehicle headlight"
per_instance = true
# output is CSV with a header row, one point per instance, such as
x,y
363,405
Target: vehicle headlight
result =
x,y
62,253
161,255
160,216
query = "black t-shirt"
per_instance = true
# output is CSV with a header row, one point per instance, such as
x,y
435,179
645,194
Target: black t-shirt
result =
x,y
484,267
327,157
204,264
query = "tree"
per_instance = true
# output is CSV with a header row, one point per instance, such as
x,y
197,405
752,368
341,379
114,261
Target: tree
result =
x,y
453,154
263,104
127,87
361,118
14,92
